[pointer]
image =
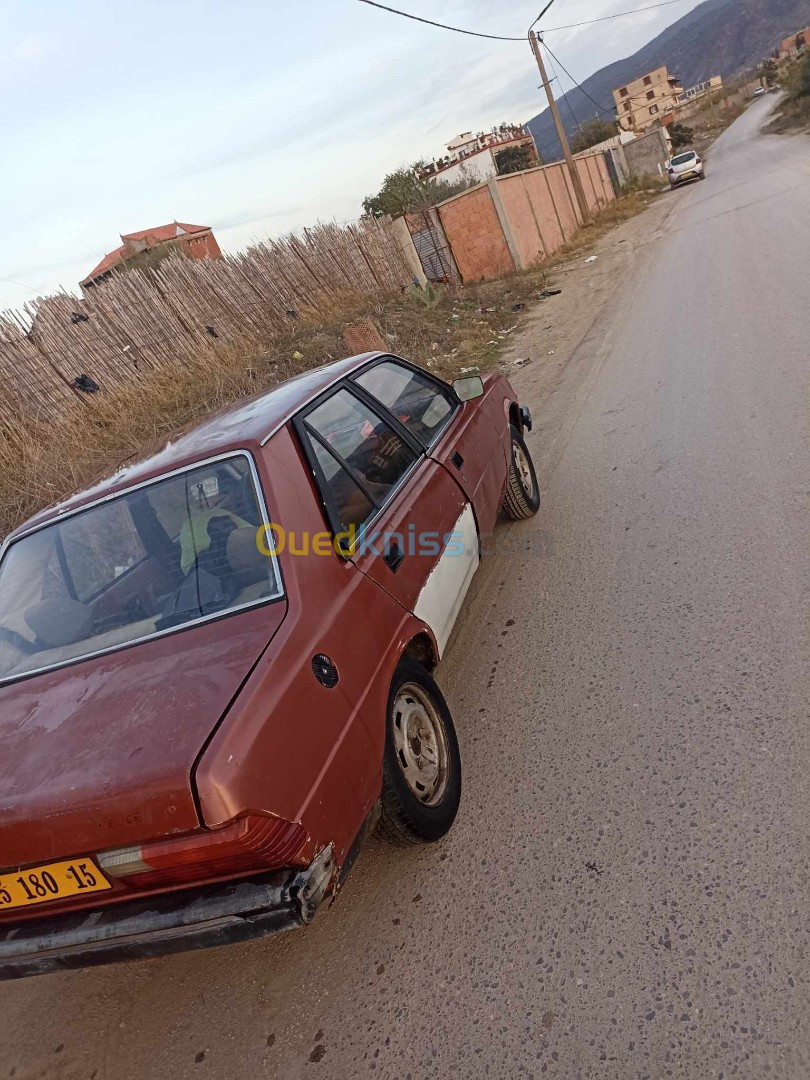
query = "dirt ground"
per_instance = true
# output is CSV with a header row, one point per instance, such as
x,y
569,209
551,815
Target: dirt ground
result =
x,y
623,894
544,360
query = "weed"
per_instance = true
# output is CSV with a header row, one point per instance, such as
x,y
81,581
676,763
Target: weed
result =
x,y
446,329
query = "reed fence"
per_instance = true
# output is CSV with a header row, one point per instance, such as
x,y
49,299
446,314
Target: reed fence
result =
x,y
60,351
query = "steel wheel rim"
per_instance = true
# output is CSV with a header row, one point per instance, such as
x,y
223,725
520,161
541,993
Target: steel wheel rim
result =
x,y
523,469
421,744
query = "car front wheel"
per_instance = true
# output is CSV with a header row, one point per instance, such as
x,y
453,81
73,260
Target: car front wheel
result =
x,y
422,763
521,497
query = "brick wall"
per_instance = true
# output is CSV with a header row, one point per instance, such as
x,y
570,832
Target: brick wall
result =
x,y
474,233
538,186
595,178
516,221
522,212
562,191
202,247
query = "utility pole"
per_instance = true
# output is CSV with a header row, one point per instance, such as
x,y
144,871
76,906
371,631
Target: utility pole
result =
x,y
576,180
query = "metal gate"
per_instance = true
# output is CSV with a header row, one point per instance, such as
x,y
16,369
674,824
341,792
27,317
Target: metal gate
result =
x,y
431,247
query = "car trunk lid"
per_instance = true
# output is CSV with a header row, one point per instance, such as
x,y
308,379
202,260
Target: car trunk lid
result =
x,y
101,754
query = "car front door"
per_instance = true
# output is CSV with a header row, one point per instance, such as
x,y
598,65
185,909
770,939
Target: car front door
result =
x,y
459,435
405,521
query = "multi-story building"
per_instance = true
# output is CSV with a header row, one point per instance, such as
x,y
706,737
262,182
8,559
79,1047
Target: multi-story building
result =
x,y
473,157
648,100
194,241
701,90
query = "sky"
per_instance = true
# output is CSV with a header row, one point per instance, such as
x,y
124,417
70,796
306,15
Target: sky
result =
x,y
256,118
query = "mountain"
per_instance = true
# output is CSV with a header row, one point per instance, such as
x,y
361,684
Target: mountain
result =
x,y
719,37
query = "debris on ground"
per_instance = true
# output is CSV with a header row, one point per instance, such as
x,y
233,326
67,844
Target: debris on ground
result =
x,y
518,307
546,293
591,258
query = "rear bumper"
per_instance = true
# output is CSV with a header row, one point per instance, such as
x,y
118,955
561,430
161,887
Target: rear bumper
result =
x,y
686,178
175,922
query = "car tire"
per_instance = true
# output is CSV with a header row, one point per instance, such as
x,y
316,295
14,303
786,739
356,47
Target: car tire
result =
x,y
521,496
421,789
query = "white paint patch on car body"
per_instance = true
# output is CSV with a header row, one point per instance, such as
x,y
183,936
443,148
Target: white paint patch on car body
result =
x,y
443,594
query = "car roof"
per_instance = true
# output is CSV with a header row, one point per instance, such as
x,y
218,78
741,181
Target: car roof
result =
x,y
245,426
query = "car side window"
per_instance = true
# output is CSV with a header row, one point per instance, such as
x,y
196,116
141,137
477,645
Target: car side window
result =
x,y
420,404
368,458
346,498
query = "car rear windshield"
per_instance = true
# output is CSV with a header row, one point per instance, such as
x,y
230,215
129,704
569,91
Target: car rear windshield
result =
x,y
682,159
156,559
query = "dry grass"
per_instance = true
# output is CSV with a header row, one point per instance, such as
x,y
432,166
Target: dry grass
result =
x,y
41,464
792,113
639,196
793,117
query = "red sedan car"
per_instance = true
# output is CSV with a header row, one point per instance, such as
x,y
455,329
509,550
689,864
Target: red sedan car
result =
x,y
215,665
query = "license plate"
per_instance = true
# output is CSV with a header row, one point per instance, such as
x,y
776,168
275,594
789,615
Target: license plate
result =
x,y
54,881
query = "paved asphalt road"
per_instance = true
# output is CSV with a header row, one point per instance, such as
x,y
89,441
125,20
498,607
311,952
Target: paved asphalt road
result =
x,y
626,892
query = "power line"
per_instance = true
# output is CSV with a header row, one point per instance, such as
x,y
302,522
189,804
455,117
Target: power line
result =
x,y
502,37
607,18
443,26
601,108
566,97
542,13
22,285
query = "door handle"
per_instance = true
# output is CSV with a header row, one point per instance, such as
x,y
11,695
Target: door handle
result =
x,y
394,557
457,459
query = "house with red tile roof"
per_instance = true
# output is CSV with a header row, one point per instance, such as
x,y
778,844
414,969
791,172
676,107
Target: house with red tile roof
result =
x,y
194,241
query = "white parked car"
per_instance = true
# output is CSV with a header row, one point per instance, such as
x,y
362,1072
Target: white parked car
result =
x,y
685,167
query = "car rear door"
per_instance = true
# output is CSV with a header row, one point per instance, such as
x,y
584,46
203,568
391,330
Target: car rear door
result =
x,y
403,519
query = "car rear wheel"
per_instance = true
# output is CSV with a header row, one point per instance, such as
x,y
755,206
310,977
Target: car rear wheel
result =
x,y
521,497
421,764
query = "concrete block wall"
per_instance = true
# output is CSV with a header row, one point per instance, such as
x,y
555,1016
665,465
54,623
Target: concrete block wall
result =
x,y
648,155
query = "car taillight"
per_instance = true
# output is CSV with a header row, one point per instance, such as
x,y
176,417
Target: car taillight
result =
x,y
251,843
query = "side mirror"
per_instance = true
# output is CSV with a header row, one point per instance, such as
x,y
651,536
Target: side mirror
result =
x,y
468,388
